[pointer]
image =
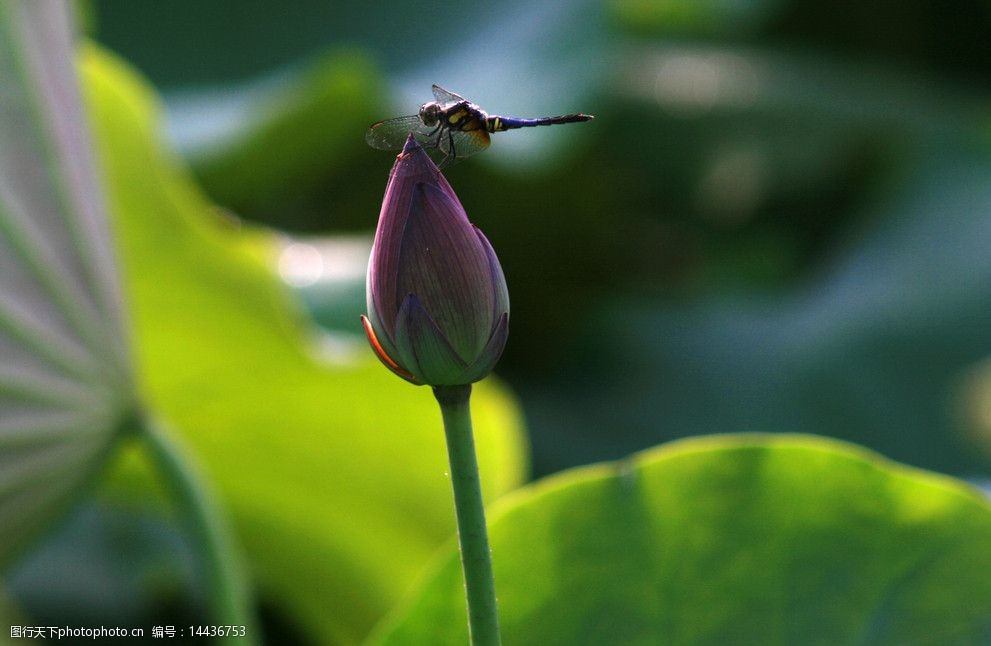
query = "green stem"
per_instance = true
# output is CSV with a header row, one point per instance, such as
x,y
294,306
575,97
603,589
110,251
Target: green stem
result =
x,y
476,559
227,592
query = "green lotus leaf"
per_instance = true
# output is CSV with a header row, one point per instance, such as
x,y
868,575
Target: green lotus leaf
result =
x,y
65,377
729,540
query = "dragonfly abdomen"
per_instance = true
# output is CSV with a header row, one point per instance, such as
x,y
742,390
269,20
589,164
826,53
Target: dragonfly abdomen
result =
x,y
498,124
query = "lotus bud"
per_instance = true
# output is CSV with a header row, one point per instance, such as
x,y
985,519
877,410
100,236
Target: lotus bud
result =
x,y
438,307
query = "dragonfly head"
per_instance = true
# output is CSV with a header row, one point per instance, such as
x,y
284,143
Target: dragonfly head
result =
x,y
430,113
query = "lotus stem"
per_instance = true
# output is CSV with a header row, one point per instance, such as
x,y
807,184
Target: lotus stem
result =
x,y
228,599
473,538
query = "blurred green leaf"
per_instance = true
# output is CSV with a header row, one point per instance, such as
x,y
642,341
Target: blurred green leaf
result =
x,y
65,379
730,540
333,469
291,159
694,17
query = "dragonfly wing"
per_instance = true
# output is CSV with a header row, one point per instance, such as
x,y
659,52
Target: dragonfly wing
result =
x,y
391,134
444,97
465,143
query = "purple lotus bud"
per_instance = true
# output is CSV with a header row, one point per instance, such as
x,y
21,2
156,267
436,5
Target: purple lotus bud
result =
x,y
438,308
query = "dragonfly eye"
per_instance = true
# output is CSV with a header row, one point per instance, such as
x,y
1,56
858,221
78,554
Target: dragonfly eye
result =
x,y
429,113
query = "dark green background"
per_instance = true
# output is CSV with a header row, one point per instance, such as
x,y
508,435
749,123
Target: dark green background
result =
x,y
807,253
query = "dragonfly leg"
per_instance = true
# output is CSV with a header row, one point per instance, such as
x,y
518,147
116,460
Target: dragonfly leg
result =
x,y
453,154
430,139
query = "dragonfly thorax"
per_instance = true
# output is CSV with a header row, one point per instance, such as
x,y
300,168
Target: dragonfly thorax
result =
x,y
430,113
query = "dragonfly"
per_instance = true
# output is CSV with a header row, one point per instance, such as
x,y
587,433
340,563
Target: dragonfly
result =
x,y
452,125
